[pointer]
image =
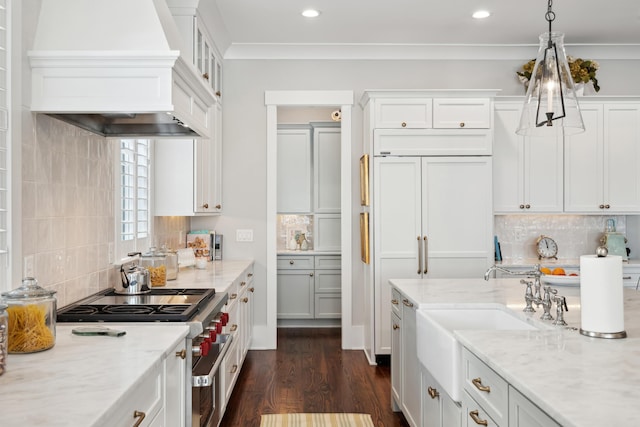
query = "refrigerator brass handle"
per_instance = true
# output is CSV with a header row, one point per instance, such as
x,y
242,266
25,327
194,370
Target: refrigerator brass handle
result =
x,y
419,256
474,416
426,255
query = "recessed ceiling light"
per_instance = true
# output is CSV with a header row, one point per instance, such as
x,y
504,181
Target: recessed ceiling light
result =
x,y
481,14
310,13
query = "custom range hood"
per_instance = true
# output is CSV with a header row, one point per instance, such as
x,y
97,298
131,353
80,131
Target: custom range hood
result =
x,y
113,67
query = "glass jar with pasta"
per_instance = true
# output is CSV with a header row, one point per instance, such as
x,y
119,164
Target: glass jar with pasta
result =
x,y
32,317
156,263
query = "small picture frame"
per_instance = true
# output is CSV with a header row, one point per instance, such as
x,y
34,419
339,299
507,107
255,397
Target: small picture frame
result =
x,y
364,237
364,180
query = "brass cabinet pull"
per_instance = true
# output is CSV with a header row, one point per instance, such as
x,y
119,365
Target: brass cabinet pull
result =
x,y
607,206
206,76
218,206
478,383
245,299
407,303
433,392
206,206
394,301
182,354
396,326
218,93
404,124
291,262
601,206
461,124
252,289
234,369
233,296
426,255
521,206
528,206
243,283
249,275
140,416
474,416
234,328
419,256
310,274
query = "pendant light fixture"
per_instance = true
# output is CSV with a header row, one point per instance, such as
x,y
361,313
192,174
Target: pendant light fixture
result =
x,y
551,99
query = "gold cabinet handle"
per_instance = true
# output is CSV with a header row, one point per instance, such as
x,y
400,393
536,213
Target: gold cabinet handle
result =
x,y
205,76
607,206
243,283
395,327
461,124
249,275
419,256
407,303
426,255
140,416
252,289
474,416
478,383
234,328
433,393
234,369
233,296
182,354
527,206
403,124
206,206
245,299
291,262
521,206
310,274
218,206
218,93
394,301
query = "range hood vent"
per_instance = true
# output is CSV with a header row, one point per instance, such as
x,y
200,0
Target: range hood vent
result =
x,y
114,68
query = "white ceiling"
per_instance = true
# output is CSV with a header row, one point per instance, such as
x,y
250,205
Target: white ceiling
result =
x,y
424,22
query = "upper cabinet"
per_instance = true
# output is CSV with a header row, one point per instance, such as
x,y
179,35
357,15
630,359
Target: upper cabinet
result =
x,y
400,113
294,170
326,169
458,113
601,164
527,171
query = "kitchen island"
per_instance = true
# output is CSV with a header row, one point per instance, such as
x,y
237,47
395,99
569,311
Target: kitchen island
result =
x,y
578,381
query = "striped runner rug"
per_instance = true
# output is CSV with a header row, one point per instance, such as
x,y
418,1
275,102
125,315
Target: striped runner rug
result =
x,y
316,420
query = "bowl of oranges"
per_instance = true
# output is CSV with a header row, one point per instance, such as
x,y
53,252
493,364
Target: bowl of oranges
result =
x,y
559,276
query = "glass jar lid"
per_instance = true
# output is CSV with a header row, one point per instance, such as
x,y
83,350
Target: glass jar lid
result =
x,y
154,253
29,289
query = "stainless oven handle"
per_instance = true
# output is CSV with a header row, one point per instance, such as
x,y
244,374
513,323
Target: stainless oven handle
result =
x,y
207,380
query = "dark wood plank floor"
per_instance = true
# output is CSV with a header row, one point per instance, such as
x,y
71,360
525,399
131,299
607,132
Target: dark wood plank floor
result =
x,y
310,373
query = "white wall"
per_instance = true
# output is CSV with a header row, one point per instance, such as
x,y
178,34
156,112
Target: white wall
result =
x,y
244,130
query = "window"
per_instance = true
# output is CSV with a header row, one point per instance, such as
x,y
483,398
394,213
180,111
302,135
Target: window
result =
x,y
133,198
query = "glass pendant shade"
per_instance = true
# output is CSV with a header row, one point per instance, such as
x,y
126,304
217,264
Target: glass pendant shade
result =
x,y
551,99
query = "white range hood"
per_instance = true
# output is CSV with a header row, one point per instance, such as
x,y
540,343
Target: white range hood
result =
x,y
114,67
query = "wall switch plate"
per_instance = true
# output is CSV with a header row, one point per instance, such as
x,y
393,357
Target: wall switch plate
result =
x,y
244,235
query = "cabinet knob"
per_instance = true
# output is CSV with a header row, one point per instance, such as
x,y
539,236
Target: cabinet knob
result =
x,y
252,289
433,393
245,299
181,354
291,262
395,327
218,207
205,76
243,283
601,206
607,206
527,206
521,206
218,93
461,124
404,124
206,206
310,274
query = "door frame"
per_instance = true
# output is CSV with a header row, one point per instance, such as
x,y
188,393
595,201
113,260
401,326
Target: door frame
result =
x,y
303,98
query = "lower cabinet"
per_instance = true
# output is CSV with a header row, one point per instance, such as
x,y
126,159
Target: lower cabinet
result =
x,y
438,409
309,287
176,386
489,399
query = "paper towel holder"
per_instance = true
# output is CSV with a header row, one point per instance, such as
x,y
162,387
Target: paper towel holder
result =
x,y
622,334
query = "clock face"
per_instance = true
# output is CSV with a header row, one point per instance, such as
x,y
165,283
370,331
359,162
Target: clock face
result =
x,y
546,247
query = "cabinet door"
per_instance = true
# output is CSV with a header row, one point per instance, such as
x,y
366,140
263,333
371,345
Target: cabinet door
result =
x,y
396,223
403,113
508,159
622,157
294,171
327,232
326,170
396,357
174,177
216,159
462,113
411,381
204,176
583,164
523,413
431,405
296,294
175,385
457,216
328,306
543,172
328,281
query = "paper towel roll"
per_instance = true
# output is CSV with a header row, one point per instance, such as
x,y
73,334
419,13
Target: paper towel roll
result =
x,y
601,296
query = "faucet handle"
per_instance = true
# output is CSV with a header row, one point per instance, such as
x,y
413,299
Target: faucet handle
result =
x,y
561,306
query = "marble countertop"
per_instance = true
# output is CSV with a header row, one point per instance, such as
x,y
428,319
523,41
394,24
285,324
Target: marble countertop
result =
x,y
577,380
81,380
311,252
562,262
218,275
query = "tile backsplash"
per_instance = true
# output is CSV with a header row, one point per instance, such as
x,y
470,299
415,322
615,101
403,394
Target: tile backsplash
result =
x,y
575,234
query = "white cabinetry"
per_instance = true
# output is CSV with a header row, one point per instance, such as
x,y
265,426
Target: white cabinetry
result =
x,y
601,170
527,172
438,409
458,113
523,413
294,170
432,218
396,350
409,366
326,170
187,177
309,287
176,386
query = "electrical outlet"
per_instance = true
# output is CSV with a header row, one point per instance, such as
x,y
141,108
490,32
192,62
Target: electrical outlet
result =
x,y
519,234
244,235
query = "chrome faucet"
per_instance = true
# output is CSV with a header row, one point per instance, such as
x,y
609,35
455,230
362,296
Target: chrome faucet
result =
x,y
530,296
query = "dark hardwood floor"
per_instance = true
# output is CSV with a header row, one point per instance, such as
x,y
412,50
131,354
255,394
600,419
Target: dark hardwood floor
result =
x,y
310,373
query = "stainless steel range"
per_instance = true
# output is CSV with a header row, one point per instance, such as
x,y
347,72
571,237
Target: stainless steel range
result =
x,y
202,309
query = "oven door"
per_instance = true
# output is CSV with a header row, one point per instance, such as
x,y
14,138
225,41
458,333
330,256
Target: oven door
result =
x,y
206,384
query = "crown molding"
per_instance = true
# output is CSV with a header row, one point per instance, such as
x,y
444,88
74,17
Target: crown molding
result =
x,y
304,51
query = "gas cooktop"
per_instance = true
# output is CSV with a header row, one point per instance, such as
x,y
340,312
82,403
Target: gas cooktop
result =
x,y
159,305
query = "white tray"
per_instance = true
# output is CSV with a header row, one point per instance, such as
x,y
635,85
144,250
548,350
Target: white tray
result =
x,y
561,280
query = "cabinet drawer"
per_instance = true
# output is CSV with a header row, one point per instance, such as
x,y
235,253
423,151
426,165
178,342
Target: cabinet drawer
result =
x,y
328,262
522,412
395,113
471,409
432,142
295,262
328,306
328,281
495,398
396,300
146,397
461,113
230,368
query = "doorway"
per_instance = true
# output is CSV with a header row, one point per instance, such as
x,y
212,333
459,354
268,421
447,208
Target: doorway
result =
x,y
344,101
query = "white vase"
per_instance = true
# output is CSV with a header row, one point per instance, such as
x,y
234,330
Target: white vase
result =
x,y
579,89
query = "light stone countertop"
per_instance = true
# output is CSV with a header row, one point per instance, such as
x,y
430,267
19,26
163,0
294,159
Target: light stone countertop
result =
x,y
82,380
218,275
577,380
